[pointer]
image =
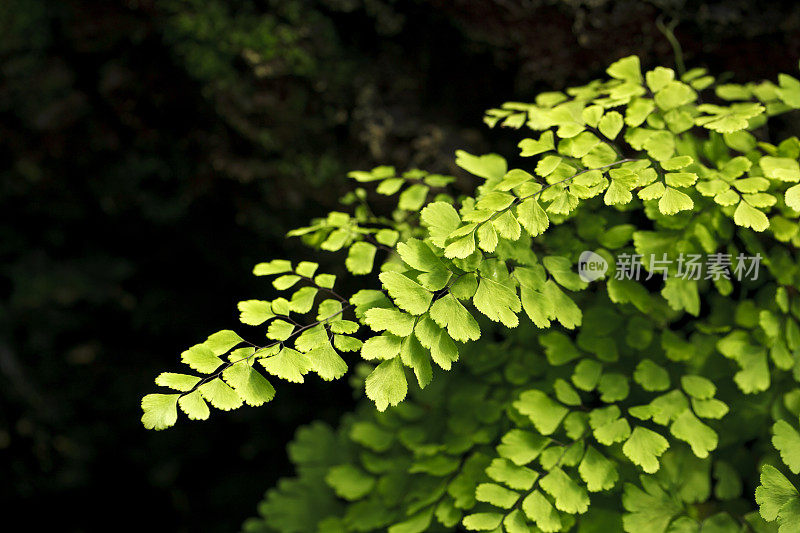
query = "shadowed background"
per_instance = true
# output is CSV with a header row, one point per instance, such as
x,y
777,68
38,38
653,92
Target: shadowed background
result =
x,y
152,152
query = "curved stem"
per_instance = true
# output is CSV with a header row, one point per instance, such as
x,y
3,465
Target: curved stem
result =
x,y
668,32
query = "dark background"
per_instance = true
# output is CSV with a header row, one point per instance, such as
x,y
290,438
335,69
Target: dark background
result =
x,y
152,152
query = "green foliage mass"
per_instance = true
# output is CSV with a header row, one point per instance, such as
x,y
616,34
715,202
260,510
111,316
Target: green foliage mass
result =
x,y
509,393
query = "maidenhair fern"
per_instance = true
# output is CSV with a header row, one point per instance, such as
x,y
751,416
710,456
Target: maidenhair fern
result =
x,y
659,394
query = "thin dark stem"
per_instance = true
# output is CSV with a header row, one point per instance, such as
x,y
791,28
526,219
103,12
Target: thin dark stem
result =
x,y
540,191
371,239
329,291
294,333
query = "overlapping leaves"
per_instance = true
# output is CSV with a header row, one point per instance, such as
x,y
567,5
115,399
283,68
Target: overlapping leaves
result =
x,y
513,395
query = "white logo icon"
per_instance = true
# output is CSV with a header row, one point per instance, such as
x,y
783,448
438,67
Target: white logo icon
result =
x,y
591,266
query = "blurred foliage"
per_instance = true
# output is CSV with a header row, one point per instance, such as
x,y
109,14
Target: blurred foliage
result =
x,y
142,136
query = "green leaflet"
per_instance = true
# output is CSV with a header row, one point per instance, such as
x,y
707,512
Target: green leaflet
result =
x,y
325,280
337,239
220,395
515,522
418,255
490,166
371,436
682,294
560,268
537,306
727,119
781,168
418,522
598,472
194,406
729,483
587,373
443,350
750,217
514,178
617,194
521,447
392,320
607,426
565,393
180,382
558,348
280,330
416,357
674,94
201,358
568,495
255,312
786,440
548,164
698,387
545,414
627,69
611,124
482,521
498,302
777,497
306,269
160,410
462,247
650,510
408,295
302,300
349,482
284,282
638,111
687,427
540,511
381,347
507,226
674,201
487,237
387,384
326,362
659,77
276,266
711,408
532,217
789,91
310,338
249,384
564,308
644,447
360,258
448,313
413,198
592,115
613,387
531,147
650,376
507,472
496,495
441,219
792,197
287,364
